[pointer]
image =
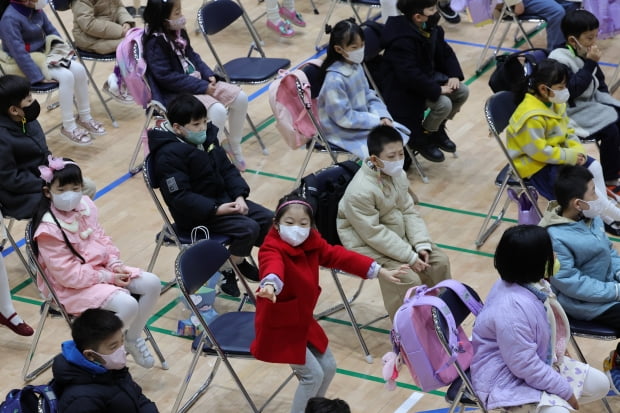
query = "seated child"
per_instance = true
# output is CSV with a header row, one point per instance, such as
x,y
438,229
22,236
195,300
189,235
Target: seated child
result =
x,y
90,373
24,29
539,138
22,149
520,336
348,108
594,111
325,405
177,68
420,71
81,262
98,27
202,187
377,218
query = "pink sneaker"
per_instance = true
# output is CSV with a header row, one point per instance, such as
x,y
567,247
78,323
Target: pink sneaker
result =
x,y
283,28
292,16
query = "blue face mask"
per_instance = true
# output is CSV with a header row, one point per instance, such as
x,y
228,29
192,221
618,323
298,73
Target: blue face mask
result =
x,y
197,138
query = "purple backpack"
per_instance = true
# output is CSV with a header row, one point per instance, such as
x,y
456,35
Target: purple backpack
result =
x,y
132,66
415,340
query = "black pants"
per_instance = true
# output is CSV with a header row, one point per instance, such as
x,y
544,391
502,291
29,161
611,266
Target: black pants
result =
x,y
609,148
610,318
245,231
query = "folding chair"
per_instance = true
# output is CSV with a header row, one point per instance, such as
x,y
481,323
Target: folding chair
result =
x,y
508,17
227,336
354,4
215,16
497,110
79,56
5,231
171,235
52,301
588,329
614,81
461,392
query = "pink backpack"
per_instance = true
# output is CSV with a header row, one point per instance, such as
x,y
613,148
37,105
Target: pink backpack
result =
x,y
290,111
415,340
132,66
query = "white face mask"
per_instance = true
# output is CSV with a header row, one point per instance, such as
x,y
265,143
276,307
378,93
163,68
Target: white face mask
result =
x,y
115,361
293,234
40,4
66,201
393,168
559,96
177,24
356,56
595,209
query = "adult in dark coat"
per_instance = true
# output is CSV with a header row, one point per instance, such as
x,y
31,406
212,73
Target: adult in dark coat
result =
x,y
420,70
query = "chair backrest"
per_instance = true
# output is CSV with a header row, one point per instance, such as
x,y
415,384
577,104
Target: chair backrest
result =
x,y
313,73
372,39
196,264
498,110
216,15
457,307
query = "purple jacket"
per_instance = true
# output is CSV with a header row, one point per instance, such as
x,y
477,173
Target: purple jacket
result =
x,y
511,340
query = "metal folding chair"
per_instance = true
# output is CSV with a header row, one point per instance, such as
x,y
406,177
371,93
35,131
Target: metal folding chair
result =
x,y
216,15
52,301
497,110
614,81
228,336
355,5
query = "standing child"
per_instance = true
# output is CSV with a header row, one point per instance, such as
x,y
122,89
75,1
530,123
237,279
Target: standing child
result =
x,y
90,374
279,18
176,68
286,331
348,107
24,29
82,263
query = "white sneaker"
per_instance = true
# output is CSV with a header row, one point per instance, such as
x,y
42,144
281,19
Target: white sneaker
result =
x,y
140,353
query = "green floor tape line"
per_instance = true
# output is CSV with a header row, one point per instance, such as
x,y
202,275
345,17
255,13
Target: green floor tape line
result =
x,y
380,380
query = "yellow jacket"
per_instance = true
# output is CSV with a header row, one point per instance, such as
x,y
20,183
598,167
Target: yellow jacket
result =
x,y
538,135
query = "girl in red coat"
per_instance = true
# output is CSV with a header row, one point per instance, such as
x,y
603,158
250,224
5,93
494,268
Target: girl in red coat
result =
x,y
286,331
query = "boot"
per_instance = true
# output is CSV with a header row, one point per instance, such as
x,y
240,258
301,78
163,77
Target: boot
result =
x,y
426,145
443,140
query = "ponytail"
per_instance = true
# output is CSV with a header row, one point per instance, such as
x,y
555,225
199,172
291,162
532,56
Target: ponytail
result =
x,y
342,34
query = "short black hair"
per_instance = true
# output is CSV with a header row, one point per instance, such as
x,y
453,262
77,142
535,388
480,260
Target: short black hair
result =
x,y
577,22
411,7
524,254
13,89
381,136
325,405
185,108
570,183
94,326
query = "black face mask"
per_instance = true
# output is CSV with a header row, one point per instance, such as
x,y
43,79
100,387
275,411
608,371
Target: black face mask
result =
x,y
432,21
31,112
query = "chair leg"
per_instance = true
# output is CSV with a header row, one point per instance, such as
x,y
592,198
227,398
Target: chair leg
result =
x,y
246,286
160,356
134,168
31,272
317,44
257,135
416,164
278,390
614,83
29,376
486,230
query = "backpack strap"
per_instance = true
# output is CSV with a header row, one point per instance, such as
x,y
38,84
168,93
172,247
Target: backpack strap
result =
x,y
47,392
474,305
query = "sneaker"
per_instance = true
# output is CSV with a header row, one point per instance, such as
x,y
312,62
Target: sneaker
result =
x,y
292,16
140,353
613,228
235,155
443,140
283,28
117,95
613,192
92,126
78,136
229,286
448,13
248,270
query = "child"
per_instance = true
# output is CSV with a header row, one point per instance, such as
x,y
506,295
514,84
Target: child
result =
x,y
590,106
8,315
25,29
520,337
98,27
176,68
90,374
202,187
539,138
286,331
22,149
348,108
377,217
420,71
324,405
82,264
279,18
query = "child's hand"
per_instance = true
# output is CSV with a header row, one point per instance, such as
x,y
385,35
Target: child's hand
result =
x,y
267,292
454,83
392,275
446,90
243,206
211,87
228,208
386,122
126,27
581,159
419,265
594,53
121,279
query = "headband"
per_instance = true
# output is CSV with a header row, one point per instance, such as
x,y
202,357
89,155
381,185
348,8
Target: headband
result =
x,y
53,164
295,201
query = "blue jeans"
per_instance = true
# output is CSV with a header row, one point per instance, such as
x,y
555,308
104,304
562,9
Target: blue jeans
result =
x,y
314,377
544,180
552,11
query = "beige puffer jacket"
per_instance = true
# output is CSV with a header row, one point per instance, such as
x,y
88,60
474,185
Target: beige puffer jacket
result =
x,y
98,24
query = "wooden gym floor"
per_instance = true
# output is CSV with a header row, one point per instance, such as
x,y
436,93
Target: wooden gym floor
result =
x,y
453,205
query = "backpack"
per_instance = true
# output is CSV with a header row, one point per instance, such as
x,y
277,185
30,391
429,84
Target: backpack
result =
x,y
512,69
415,340
132,67
323,190
30,399
291,99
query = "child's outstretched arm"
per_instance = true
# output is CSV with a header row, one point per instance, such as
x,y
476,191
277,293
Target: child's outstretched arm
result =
x,y
393,275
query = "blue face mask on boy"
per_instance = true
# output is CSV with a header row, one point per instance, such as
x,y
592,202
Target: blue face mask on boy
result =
x,y
197,138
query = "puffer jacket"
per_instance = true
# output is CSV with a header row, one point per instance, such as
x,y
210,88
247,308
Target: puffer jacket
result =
x,y
98,24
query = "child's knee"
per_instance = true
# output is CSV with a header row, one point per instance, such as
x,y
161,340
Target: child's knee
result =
x,y
217,114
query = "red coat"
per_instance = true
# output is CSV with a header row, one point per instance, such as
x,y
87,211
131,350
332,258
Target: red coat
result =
x,y
284,329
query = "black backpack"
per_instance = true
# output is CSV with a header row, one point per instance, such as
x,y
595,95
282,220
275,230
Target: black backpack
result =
x,y
323,190
512,69
30,399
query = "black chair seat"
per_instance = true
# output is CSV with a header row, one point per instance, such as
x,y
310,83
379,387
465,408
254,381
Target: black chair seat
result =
x,y
234,331
318,146
109,57
41,87
588,328
512,181
254,69
366,2
185,237
453,390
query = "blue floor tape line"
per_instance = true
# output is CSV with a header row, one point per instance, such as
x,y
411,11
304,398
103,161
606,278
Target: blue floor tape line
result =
x,y
446,410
